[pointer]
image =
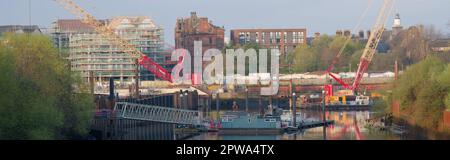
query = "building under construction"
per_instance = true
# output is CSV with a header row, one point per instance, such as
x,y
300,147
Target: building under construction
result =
x,y
94,55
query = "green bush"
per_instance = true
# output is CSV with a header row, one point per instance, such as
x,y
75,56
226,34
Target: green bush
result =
x,y
444,80
380,107
37,98
320,54
423,90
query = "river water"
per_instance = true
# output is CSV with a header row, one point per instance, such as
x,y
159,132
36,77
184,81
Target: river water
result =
x,y
344,128
349,125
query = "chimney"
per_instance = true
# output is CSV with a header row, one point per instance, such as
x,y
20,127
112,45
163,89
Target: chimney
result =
x,y
316,35
339,33
347,33
193,14
361,34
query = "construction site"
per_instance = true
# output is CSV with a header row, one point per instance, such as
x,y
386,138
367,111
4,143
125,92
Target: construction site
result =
x,y
131,71
100,60
96,57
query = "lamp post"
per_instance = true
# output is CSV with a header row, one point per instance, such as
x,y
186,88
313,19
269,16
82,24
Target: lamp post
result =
x,y
324,118
181,101
246,99
294,110
217,106
186,101
210,105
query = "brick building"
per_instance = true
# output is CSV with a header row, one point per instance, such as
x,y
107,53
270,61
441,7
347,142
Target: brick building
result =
x,y
196,28
283,39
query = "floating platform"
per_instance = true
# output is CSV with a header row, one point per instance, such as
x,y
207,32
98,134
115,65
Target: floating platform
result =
x,y
348,107
338,107
187,130
251,131
274,131
307,125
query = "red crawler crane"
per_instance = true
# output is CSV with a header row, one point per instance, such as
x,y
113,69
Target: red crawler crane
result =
x,y
369,50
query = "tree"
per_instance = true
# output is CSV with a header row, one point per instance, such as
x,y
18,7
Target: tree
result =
x,y
320,54
422,90
38,96
245,47
444,80
305,59
412,45
431,33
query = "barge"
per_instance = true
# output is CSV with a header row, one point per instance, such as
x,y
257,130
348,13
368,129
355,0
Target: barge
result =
x,y
245,123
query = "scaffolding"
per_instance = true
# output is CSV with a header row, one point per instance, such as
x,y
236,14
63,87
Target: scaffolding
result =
x,y
90,51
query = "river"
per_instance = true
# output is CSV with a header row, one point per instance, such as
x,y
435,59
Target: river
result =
x,y
349,125
344,128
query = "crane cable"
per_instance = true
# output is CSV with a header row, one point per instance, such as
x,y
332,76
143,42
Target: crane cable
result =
x,y
363,15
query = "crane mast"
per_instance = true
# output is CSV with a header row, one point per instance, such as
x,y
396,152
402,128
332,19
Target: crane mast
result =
x,y
370,48
372,43
108,32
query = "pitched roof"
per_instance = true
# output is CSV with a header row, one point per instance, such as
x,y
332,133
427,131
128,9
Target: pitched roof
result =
x,y
73,25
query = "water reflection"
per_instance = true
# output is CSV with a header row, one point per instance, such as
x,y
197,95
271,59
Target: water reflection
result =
x,y
349,125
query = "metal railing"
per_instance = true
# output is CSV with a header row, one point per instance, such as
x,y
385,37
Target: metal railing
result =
x,y
156,113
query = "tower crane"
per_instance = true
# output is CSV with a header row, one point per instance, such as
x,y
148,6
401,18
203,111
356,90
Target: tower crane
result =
x,y
369,49
109,33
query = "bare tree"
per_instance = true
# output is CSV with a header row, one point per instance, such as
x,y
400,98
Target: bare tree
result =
x,y
431,33
448,26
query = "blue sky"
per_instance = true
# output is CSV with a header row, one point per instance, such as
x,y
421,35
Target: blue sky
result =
x,y
323,16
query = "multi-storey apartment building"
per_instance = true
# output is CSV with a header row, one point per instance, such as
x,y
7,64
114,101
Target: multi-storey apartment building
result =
x,y
283,39
89,52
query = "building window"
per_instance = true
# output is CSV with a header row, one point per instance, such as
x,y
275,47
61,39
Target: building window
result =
x,y
294,34
247,37
285,37
263,37
241,38
257,37
272,38
278,37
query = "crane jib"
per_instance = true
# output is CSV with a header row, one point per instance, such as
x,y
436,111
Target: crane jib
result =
x,y
108,33
370,48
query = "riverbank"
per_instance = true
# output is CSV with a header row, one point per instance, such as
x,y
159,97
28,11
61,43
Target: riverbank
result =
x,y
416,132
